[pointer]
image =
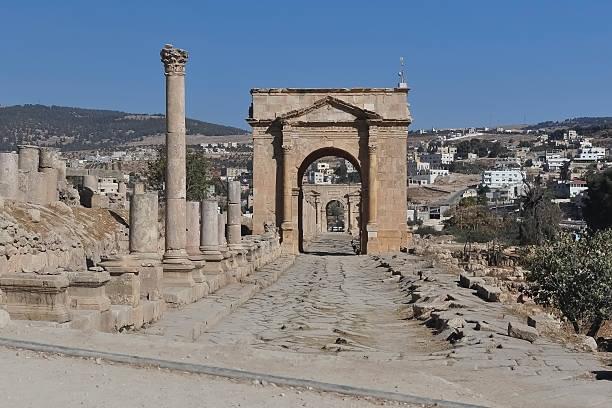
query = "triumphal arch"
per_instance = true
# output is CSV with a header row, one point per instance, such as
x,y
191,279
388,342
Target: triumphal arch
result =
x,y
366,126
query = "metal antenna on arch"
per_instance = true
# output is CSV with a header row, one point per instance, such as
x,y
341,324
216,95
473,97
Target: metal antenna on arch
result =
x,y
402,76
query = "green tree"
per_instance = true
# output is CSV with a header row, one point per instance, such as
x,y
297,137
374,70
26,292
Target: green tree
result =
x,y
597,208
335,209
473,222
198,175
539,217
482,194
566,171
575,276
341,174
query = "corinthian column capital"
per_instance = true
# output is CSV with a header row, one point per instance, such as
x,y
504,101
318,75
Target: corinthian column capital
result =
x,y
174,60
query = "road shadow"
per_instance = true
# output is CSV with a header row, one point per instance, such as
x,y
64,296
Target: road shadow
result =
x,y
327,253
603,375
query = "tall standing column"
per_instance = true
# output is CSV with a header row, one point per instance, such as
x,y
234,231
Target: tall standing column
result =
x,y
234,216
175,257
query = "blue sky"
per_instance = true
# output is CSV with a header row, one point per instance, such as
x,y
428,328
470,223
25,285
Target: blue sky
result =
x,y
467,62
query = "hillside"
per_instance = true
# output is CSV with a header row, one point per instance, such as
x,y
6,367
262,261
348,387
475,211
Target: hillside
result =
x,y
572,123
76,128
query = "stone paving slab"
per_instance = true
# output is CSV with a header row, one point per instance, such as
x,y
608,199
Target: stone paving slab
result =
x,y
189,322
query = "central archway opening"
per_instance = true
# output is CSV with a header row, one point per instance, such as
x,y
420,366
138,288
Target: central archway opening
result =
x,y
330,199
334,211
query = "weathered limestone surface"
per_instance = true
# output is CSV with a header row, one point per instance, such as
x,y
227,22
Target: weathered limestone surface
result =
x,y
144,232
523,332
234,216
209,235
294,127
49,239
9,176
87,290
28,296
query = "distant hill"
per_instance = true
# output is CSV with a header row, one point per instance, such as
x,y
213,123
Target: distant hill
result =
x,y
585,122
76,128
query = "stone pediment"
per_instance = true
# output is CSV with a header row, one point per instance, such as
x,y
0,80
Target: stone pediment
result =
x,y
329,109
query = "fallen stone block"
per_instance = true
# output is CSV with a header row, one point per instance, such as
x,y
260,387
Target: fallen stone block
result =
x,y
523,332
483,326
586,343
488,293
422,310
544,322
469,282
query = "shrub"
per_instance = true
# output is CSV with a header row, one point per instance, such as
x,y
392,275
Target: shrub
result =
x,y
575,276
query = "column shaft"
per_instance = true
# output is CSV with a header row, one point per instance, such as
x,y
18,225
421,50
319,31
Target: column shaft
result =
x,y
9,176
176,186
372,182
287,190
193,228
209,234
144,232
234,215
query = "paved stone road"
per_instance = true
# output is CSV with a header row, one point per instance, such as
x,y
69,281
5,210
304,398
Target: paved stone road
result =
x,y
328,301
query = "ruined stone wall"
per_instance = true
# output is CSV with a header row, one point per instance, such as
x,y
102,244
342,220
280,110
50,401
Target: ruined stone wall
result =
x,y
56,238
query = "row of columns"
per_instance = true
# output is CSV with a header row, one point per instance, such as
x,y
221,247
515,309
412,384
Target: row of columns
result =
x,y
32,175
182,222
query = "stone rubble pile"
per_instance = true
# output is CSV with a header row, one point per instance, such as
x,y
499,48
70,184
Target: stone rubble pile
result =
x,y
466,311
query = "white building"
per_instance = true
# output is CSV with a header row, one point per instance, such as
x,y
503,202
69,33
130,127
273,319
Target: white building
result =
x,y
323,167
448,150
502,178
576,187
555,164
108,185
571,135
349,167
317,177
417,166
592,153
569,189
426,177
504,185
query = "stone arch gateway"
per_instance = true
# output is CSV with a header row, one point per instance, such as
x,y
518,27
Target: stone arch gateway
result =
x,y
367,126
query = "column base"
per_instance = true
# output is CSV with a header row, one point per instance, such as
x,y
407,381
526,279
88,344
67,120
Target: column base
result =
x,y
178,272
198,261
